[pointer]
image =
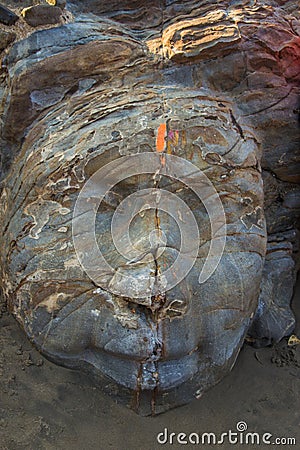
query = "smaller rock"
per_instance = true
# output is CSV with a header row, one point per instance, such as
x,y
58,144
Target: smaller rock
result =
x,y
274,318
7,16
39,15
60,3
6,38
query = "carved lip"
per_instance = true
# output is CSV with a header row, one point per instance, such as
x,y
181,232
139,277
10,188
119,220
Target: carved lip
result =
x,y
132,357
146,375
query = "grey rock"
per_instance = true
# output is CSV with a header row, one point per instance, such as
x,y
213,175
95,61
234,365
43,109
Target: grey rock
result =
x,y
60,3
39,15
7,16
86,94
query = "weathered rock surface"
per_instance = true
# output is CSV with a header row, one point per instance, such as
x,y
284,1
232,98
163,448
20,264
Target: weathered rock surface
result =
x,y
7,16
60,3
274,319
224,82
39,15
6,38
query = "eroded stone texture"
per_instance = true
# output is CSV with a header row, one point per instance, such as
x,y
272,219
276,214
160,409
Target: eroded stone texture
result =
x,y
6,37
274,319
7,16
224,81
39,15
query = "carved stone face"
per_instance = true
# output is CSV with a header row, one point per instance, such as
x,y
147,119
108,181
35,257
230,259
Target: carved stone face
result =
x,y
88,106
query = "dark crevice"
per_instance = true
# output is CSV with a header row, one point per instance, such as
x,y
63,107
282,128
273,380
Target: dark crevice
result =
x,y
236,124
269,106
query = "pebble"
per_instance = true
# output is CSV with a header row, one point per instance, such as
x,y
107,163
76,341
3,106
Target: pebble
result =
x,y
40,15
60,3
7,16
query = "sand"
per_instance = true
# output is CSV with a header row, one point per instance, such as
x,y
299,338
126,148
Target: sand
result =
x,y
44,406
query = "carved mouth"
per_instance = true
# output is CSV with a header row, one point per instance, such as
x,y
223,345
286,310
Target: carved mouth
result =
x,y
136,347
120,339
145,375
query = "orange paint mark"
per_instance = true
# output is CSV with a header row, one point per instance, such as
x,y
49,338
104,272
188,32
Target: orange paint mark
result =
x,y
160,138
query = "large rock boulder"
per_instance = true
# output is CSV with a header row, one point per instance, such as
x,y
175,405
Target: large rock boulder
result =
x,y
178,119
39,15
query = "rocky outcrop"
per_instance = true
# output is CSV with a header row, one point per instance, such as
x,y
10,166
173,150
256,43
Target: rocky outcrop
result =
x,y
216,86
